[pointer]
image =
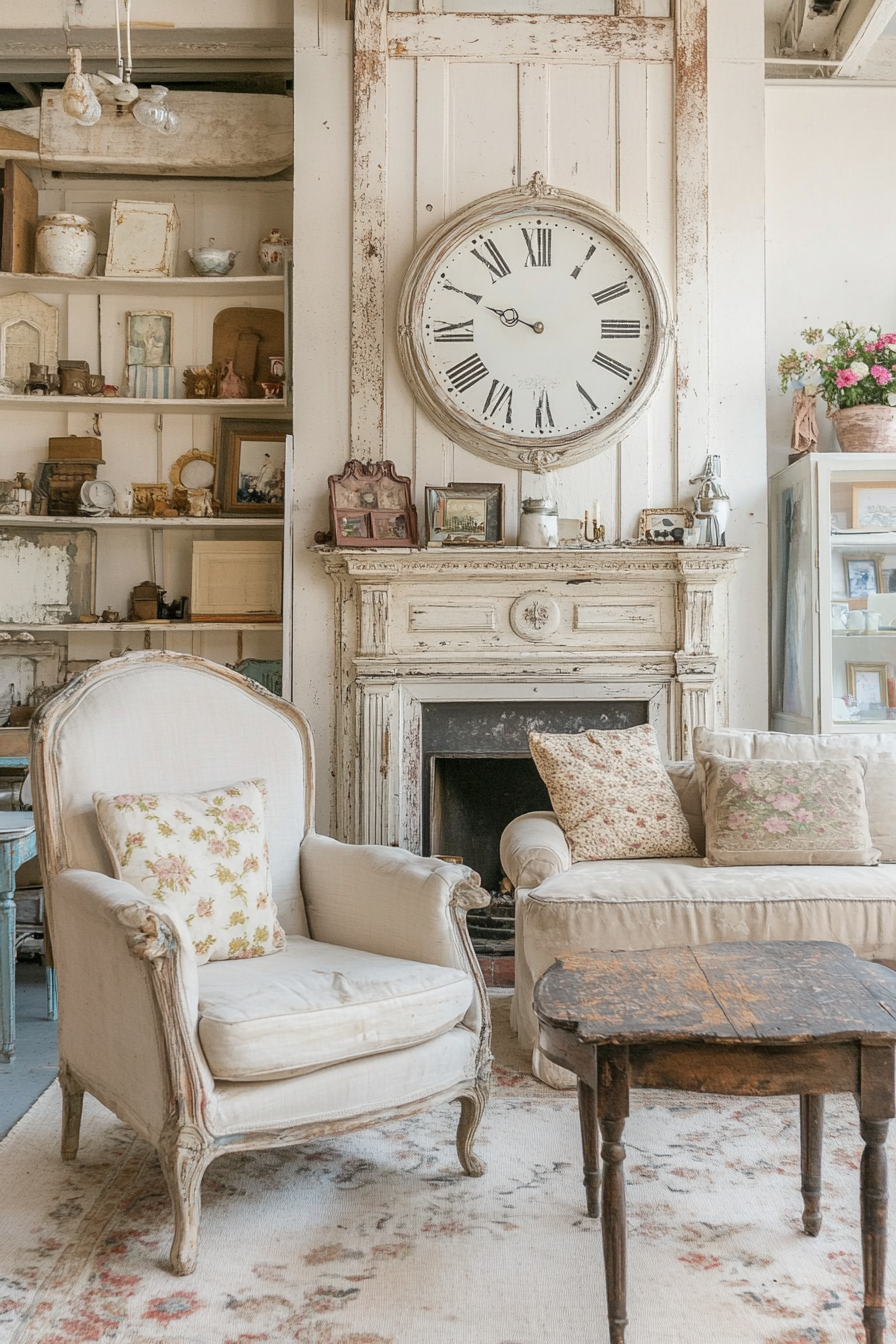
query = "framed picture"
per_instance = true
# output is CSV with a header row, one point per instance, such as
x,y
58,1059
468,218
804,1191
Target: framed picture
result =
x,y
143,238
251,467
874,504
465,515
867,682
370,505
863,574
148,336
664,525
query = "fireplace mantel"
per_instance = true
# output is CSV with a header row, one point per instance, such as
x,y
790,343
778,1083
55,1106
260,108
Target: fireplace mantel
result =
x,y
616,622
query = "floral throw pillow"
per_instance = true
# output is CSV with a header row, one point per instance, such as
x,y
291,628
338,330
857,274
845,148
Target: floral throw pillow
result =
x,y
612,795
204,854
786,812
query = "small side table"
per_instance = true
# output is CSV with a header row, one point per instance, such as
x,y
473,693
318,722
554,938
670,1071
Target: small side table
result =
x,y
737,1019
17,844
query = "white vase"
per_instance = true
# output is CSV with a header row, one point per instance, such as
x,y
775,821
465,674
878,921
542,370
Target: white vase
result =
x,y
64,245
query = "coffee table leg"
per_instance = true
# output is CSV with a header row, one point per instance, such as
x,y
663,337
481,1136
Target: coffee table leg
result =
x,y
874,1226
588,1125
811,1139
613,1218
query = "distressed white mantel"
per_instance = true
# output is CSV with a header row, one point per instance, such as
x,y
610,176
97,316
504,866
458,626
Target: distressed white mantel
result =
x,y
619,623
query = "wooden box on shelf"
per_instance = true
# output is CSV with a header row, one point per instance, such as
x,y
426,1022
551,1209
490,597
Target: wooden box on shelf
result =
x,y
237,581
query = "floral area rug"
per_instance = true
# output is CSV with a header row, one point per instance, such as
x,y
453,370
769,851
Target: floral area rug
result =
x,y
377,1237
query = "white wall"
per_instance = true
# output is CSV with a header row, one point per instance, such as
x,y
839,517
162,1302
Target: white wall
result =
x,y
456,132
830,207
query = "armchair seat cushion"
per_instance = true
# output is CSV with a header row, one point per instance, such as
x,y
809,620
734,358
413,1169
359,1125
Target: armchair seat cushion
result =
x,y
316,1004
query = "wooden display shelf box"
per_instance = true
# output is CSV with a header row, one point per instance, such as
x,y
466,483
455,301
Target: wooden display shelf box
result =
x,y
237,580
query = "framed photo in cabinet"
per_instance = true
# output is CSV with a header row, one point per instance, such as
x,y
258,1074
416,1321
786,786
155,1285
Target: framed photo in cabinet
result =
x,y
863,574
867,682
874,504
251,471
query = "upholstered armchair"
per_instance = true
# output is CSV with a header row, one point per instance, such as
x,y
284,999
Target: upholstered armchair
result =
x,y
375,1008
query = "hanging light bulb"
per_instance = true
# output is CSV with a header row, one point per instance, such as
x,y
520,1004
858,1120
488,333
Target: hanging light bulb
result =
x,y
78,98
150,110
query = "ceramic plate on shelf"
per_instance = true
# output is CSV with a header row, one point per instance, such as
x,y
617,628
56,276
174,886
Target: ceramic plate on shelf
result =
x,y
98,495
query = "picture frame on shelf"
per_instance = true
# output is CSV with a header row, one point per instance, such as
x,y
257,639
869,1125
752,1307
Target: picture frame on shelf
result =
x,y
148,334
863,574
867,683
251,467
465,514
370,506
874,504
662,525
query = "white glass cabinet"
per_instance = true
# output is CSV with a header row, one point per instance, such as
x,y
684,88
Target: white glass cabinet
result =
x,y
833,574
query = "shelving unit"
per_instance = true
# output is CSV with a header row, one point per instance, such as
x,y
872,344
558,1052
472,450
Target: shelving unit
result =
x,y
143,437
815,660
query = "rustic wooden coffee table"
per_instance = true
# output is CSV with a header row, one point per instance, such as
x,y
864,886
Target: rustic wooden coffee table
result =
x,y
742,1019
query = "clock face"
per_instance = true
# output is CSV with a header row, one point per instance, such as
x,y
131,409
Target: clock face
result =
x,y
535,323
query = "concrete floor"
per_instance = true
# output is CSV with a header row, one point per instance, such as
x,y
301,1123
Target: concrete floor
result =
x,y
36,1061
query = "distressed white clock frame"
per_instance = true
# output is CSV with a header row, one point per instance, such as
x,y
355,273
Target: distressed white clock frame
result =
x,y
538,40
508,450
619,623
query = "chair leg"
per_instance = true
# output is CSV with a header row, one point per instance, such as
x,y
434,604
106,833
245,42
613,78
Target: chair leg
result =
x,y
471,1107
72,1103
184,1158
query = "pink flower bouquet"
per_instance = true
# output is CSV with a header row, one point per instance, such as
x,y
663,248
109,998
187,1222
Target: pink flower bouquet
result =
x,y
857,367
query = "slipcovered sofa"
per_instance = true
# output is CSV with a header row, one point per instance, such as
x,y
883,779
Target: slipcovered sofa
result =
x,y
567,907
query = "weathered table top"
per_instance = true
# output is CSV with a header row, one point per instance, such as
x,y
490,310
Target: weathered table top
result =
x,y
749,992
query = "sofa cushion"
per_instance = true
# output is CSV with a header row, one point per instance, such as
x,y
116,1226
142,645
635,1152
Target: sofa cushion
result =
x,y
683,775
317,1004
786,812
611,793
877,749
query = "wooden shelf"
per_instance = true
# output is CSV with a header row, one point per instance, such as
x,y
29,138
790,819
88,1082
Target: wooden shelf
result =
x,y
83,520
156,405
181,286
165,627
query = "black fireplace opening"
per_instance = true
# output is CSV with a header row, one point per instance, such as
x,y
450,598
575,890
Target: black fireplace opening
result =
x,y
478,774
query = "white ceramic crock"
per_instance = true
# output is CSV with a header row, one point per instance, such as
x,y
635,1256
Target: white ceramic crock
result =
x,y
64,245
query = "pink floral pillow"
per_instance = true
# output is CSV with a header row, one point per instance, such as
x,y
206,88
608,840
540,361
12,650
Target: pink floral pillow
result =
x,y
204,854
786,812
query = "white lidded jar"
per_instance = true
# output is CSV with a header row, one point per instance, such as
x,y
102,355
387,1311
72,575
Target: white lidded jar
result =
x,y
274,252
538,523
64,245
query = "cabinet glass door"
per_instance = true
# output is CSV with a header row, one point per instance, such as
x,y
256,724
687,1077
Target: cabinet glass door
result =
x,y
858,574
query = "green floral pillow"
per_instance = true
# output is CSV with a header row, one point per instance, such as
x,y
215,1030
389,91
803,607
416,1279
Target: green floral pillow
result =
x,y
204,854
786,812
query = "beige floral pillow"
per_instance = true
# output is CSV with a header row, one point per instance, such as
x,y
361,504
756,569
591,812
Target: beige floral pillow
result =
x,y
612,795
204,854
786,812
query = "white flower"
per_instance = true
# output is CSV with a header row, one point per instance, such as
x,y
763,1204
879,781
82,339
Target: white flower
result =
x,y
819,352
891,398
891,345
859,368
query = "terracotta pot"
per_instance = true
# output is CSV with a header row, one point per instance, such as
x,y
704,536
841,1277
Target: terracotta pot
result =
x,y
865,429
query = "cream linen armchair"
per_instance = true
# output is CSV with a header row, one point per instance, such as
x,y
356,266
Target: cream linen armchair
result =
x,y
375,1008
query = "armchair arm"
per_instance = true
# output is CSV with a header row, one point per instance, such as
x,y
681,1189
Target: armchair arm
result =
x,y
128,997
380,899
534,848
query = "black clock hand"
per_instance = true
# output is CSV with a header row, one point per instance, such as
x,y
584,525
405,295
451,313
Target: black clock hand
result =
x,y
510,317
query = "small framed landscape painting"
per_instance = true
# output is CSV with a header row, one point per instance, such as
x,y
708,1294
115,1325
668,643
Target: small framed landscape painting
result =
x,y
863,574
874,505
251,467
465,515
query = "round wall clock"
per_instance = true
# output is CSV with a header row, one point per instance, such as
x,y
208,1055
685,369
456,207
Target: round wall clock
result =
x,y
534,327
